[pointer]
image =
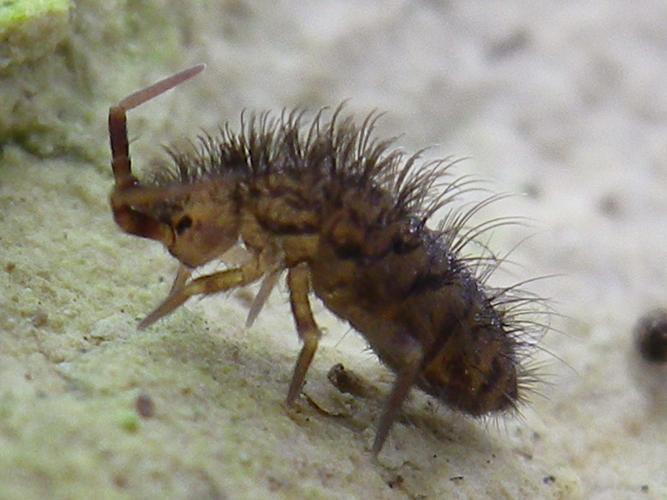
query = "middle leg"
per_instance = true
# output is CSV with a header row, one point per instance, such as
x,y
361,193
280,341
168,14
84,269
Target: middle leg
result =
x,y
298,281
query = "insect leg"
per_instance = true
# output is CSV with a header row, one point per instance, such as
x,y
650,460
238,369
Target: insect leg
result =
x,y
404,380
180,279
206,285
268,283
299,285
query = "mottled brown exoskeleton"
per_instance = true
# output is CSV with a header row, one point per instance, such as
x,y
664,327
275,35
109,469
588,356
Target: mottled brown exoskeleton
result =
x,y
345,215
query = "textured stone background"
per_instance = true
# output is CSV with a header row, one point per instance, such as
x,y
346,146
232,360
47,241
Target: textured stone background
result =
x,y
563,101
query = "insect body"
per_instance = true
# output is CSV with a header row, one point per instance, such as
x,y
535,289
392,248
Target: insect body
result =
x,y
345,216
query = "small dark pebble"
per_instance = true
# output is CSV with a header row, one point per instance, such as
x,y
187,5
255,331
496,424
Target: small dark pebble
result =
x,y
651,336
610,205
456,478
275,484
396,482
145,406
39,319
644,488
532,190
549,479
515,42
346,381
120,481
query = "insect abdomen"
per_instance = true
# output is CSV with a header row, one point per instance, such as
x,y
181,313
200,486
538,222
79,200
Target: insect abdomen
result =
x,y
395,281
414,289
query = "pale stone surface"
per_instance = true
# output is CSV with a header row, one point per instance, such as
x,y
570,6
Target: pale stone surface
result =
x,y
564,102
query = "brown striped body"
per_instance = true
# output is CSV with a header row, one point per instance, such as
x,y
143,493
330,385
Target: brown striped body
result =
x,y
345,216
392,282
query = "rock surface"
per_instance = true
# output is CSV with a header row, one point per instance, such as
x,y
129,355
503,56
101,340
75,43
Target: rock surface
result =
x,y
565,103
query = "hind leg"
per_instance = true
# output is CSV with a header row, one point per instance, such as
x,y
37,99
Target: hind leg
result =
x,y
411,360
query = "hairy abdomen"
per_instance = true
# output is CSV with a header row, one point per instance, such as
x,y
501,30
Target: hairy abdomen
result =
x,y
414,290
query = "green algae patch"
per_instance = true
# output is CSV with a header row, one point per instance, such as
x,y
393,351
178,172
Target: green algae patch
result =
x,y
128,420
30,29
55,60
26,10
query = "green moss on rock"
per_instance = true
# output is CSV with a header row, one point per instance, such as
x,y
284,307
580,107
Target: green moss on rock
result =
x,y
30,29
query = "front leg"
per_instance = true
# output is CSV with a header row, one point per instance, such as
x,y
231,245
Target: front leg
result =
x,y
268,283
208,284
181,278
